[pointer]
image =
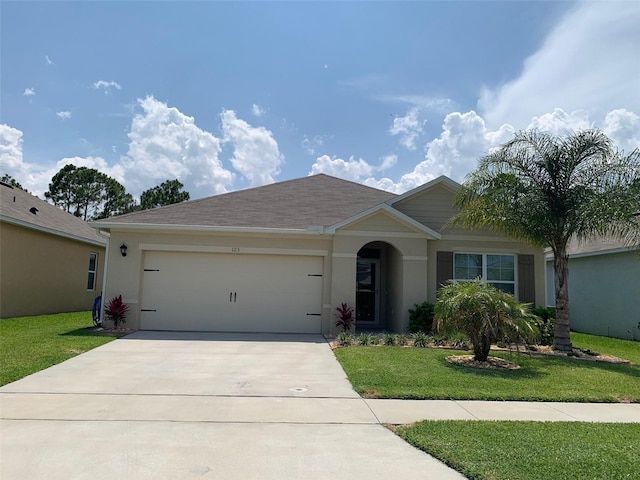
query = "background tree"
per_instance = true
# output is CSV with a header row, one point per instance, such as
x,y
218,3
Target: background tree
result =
x,y
485,314
546,190
88,193
9,180
166,193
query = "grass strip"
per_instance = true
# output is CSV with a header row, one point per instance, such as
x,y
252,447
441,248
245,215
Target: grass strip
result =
x,y
530,450
31,344
424,373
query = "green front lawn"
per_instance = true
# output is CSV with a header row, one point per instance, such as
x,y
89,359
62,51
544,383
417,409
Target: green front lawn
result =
x,y
627,349
424,373
531,450
31,344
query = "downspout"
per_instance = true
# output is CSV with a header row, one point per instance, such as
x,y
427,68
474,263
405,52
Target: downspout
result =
x,y
104,274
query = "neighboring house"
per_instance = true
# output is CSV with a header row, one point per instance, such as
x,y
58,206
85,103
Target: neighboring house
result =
x,y
282,257
604,288
50,261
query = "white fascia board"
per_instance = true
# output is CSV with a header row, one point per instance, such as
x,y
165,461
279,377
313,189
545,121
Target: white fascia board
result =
x,y
441,180
383,207
51,231
203,228
595,253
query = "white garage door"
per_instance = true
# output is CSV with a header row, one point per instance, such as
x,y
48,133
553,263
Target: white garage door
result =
x,y
231,292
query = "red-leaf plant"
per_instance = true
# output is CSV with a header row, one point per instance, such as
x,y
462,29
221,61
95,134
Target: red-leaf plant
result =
x,y
116,311
345,316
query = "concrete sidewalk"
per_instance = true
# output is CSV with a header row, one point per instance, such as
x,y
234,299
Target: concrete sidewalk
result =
x,y
307,410
409,411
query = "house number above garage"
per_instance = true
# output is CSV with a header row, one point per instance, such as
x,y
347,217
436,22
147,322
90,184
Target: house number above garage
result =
x,y
235,249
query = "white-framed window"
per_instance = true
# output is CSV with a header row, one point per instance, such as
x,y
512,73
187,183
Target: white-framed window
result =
x,y
93,270
498,270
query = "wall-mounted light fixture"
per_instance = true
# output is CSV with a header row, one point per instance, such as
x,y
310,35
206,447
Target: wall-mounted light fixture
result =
x,y
123,250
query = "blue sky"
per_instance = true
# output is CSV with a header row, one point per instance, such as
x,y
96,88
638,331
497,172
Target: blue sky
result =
x,y
230,95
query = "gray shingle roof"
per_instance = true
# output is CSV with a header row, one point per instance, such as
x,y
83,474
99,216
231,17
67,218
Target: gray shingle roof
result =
x,y
318,200
16,207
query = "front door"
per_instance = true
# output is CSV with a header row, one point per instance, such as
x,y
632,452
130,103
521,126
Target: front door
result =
x,y
368,293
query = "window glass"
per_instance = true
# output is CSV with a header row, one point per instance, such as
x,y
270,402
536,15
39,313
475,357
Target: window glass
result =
x,y
497,270
467,266
93,267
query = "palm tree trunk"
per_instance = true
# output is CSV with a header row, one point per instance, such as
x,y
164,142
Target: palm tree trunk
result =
x,y
561,336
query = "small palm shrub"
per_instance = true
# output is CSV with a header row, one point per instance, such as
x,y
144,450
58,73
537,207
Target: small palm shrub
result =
x,y
420,339
421,317
402,339
116,311
485,314
345,339
375,339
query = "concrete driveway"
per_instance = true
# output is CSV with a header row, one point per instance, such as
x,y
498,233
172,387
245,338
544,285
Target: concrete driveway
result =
x,y
183,405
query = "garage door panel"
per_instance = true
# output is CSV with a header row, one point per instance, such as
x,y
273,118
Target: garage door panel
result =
x,y
222,292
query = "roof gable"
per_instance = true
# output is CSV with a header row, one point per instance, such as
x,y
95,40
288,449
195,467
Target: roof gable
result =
x,y
389,212
441,181
313,201
21,208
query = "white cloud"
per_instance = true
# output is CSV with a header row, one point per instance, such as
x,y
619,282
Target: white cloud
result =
x,y
312,144
586,62
255,151
356,170
49,61
166,144
352,169
257,110
10,149
35,178
388,161
106,86
623,127
64,114
408,127
29,92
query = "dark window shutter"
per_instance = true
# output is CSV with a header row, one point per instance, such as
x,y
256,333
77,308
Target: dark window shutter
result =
x,y
526,279
444,268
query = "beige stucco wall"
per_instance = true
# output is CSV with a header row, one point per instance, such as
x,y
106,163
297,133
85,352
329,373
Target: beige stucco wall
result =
x,y
125,273
406,271
409,261
41,273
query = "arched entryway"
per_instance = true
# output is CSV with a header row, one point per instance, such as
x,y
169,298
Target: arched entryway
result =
x,y
379,279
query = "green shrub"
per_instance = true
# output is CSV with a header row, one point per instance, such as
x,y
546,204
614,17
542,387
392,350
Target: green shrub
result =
x,y
365,339
375,339
420,339
421,317
389,339
402,339
545,323
485,314
345,339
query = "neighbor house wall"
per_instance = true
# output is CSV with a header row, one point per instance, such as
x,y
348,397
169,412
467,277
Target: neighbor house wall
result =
x,y
604,294
41,273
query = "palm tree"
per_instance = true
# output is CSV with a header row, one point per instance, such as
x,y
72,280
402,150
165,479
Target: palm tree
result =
x,y
485,314
546,190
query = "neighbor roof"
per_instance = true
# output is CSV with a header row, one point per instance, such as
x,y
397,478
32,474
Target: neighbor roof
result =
x,y
21,208
318,200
